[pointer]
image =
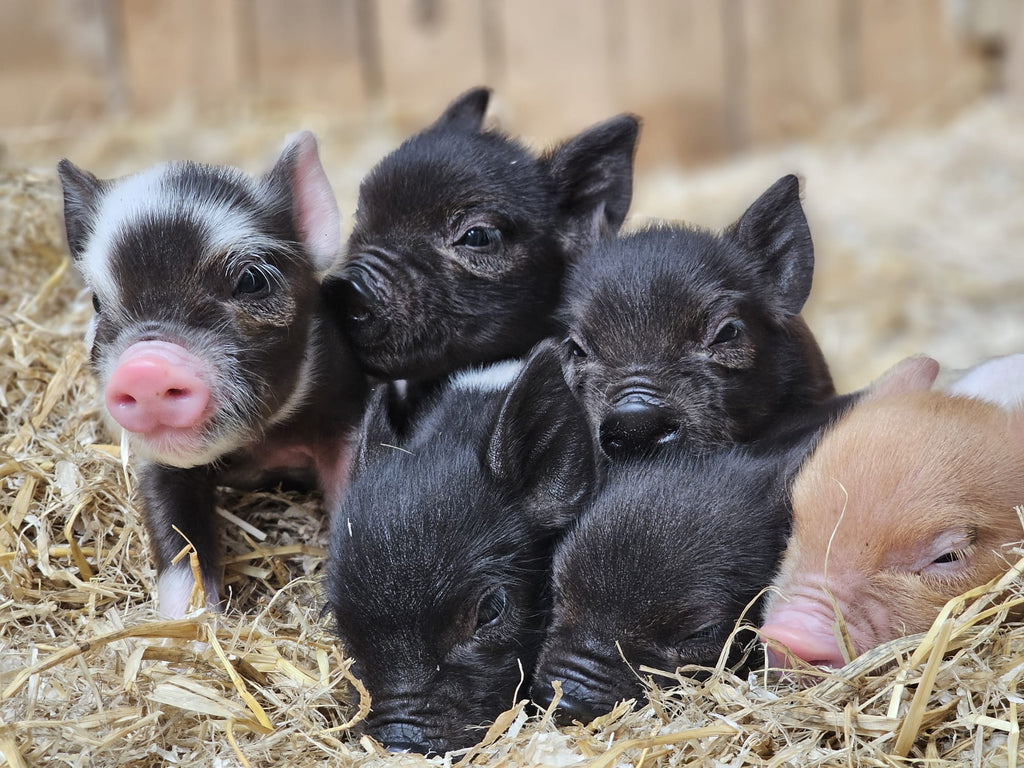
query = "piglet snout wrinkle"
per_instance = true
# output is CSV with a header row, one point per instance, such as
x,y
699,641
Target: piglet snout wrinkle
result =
x,y
157,385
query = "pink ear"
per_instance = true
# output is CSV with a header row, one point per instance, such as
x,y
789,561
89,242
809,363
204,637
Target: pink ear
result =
x,y
315,209
913,374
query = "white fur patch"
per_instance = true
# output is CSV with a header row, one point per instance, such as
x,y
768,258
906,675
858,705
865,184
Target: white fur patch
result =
x,y
151,194
174,590
488,378
999,381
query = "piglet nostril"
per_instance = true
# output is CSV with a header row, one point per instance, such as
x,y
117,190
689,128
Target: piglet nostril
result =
x,y
401,737
357,295
579,705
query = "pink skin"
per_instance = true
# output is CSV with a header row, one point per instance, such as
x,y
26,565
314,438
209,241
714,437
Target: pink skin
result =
x,y
805,632
156,389
805,623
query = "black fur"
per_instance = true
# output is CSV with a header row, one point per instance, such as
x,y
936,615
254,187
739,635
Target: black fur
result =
x,y
658,570
462,238
163,280
441,549
679,334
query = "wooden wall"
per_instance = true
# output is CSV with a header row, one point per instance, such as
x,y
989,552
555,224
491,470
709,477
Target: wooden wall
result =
x,y
709,76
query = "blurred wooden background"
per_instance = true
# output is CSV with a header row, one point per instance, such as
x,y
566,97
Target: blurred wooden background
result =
x,y
710,77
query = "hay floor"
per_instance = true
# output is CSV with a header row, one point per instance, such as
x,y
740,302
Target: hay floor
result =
x,y
919,239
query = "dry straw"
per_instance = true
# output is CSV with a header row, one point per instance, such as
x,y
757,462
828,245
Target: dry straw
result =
x,y
90,675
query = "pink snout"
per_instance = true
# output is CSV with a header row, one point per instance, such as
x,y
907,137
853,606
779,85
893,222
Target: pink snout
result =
x,y
805,637
157,385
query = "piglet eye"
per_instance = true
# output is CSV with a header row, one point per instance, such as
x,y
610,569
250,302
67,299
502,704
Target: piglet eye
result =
x,y
95,303
953,556
709,633
728,332
480,238
574,348
253,282
491,607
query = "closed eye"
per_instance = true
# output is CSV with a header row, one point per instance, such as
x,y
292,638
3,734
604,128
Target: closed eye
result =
x,y
952,556
709,633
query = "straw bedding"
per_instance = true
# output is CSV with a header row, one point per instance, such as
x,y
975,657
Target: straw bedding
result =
x,y
90,674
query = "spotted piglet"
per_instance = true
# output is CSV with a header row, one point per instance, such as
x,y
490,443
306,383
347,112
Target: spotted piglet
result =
x,y
209,339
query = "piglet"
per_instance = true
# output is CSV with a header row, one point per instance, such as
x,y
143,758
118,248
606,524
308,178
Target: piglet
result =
x,y
210,339
438,569
676,334
657,572
462,237
906,503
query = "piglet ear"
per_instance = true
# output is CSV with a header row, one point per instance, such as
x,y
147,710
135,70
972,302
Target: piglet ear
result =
x,y
82,192
593,180
541,444
314,209
377,434
774,230
466,112
914,374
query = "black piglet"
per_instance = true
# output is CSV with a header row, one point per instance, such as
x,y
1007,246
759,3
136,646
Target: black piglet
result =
x,y
462,237
440,552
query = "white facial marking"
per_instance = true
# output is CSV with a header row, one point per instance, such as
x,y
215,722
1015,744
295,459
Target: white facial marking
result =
x,y
155,194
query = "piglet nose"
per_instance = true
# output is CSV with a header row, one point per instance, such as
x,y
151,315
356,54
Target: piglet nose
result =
x,y
811,647
583,698
156,385
402,737
579,704
637,422
358,297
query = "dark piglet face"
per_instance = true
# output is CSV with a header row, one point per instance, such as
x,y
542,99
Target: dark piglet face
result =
x,y
440,554
658,571
677,334
213,273
462,238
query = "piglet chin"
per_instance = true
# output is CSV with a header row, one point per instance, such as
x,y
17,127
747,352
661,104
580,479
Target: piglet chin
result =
x,y
182,448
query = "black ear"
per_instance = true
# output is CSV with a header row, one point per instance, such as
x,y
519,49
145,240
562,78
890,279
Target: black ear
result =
x,y
377,434
774,230
541,443
593,179
82,192
466,112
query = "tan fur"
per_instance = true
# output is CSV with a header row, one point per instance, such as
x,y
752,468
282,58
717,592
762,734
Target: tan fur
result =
x,y
908,469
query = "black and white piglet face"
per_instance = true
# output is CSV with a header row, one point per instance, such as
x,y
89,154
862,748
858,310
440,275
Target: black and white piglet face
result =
x,y
204,282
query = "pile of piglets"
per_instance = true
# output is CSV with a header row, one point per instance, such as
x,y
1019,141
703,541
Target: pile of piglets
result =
x,y
550,452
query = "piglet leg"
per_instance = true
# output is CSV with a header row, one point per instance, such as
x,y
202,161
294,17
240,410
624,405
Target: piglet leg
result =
x,y
180,508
